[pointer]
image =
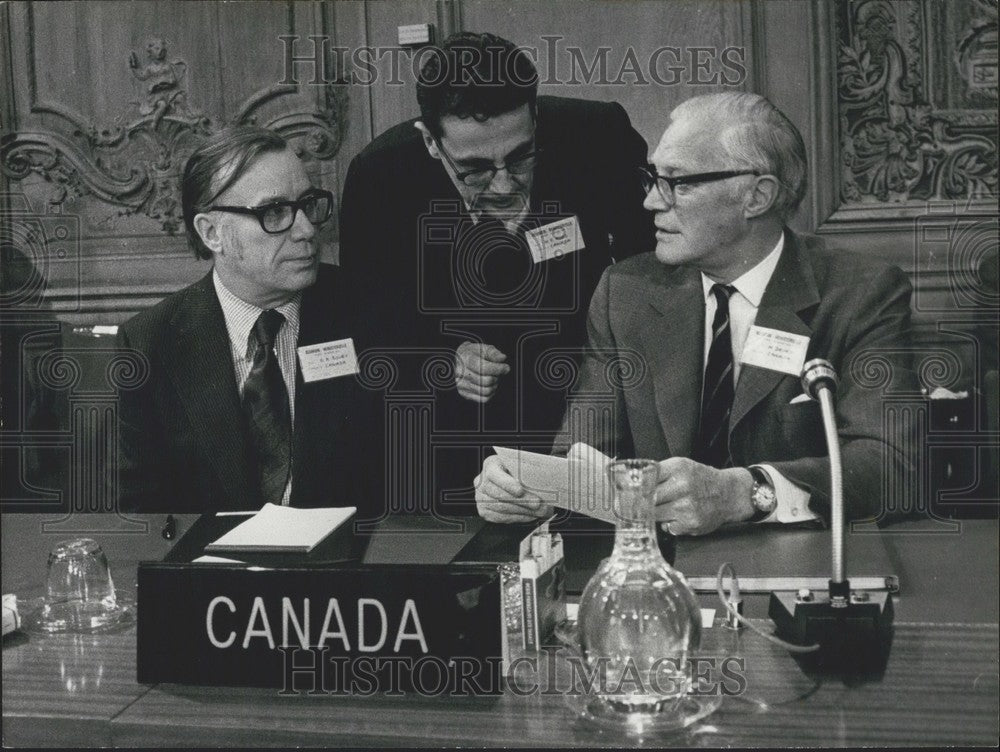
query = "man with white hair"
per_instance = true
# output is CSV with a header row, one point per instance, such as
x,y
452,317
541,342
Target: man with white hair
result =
x,y
737,440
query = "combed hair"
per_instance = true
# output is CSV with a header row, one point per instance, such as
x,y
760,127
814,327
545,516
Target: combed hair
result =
x,y
216,164
474,75
756,135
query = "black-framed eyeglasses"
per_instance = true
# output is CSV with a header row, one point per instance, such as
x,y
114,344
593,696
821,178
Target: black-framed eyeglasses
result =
x,y
666,185
480,177
278,216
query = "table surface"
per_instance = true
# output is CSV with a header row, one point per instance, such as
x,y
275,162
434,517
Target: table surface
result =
x,y
940,685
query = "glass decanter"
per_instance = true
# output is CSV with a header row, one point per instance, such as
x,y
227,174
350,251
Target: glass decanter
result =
x,y
638,619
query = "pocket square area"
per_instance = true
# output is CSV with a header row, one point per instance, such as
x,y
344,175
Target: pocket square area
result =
x,y
799,399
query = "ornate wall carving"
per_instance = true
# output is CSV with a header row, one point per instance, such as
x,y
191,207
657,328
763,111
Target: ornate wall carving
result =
x,y
916,93
134,161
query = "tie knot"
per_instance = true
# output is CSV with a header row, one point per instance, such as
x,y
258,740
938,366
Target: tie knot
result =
x,y
722,292
267,326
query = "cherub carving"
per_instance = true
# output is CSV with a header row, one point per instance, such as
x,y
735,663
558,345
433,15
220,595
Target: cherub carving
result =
x,y
162,78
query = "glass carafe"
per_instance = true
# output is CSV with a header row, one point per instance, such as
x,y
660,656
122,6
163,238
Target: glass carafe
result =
x,y
638,619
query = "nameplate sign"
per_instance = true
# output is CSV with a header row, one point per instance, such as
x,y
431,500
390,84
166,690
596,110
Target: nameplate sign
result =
x,y
358,629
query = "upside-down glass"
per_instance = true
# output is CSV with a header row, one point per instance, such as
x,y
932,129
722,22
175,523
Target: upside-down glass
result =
x,y
80,595
638,619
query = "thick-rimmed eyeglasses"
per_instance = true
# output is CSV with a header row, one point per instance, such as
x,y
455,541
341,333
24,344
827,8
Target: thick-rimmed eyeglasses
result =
x,y
666,185
279,216
480,177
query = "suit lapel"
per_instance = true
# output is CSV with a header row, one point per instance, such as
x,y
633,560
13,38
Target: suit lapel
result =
x,y
318,404
201,371
791,290
672,341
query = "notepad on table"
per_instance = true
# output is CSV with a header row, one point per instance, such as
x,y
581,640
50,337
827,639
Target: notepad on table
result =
x,y
283,530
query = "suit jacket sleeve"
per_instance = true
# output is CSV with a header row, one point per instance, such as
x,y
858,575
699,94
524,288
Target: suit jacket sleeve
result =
x,y
356,228
877,453
596,412
140,484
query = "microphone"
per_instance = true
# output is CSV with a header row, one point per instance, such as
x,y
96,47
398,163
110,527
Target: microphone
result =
x,y
853,629
818,374
819,381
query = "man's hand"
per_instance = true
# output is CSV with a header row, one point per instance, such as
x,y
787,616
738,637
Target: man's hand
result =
x,y
695,499
478,369
500,497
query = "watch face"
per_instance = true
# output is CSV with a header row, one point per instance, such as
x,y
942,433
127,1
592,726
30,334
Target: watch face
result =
x,y
763,497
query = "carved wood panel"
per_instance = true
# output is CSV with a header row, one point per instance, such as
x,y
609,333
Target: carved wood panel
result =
x,y
915,92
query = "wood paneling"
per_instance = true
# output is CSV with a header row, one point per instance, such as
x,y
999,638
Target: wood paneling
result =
x,y
393,91
623,32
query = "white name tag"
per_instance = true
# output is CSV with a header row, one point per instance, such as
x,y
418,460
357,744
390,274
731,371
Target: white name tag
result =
x,y
327,360
775,350
555,239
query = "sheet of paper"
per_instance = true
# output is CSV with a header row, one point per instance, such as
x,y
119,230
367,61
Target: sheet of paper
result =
x,y
276,528
208,559
579,485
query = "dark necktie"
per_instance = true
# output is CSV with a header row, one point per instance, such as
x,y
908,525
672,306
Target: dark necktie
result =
x,y
712,447
265,403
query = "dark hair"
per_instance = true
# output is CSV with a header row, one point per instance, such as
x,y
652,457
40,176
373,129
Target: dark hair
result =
x,y
474,75
220,161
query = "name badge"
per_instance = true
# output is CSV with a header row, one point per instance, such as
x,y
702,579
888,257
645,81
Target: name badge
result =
x,y
555,239
775,350
328,360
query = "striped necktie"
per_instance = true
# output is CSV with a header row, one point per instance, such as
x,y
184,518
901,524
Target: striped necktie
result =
x,y
712,446
265,403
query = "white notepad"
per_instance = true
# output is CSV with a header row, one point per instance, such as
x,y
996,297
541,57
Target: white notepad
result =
x,y
283,529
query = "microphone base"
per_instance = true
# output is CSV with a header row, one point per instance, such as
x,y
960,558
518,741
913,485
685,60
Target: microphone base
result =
x,y
854,639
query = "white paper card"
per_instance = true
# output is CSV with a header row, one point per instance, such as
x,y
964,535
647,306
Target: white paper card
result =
x,y
775,350
578,483
555,239
283,529
328,360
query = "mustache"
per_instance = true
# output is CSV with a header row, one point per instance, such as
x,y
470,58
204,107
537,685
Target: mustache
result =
x,y
518,198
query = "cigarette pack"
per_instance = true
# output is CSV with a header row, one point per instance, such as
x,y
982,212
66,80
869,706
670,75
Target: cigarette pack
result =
x,y
543,591
11,619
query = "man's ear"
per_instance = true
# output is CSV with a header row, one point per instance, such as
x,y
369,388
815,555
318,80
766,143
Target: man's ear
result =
x,y
429,140
209,231
762,197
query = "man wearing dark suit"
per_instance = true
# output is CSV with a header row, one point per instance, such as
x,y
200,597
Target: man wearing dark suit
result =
x,y
225,418
742,443
437,214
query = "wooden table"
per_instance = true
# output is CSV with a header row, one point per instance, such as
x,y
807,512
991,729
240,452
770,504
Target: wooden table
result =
x,y
940,686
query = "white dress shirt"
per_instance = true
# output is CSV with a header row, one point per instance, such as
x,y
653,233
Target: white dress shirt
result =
x,y
793,500
240,317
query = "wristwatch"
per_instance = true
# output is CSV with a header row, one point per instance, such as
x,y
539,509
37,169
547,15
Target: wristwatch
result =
x,y
762,496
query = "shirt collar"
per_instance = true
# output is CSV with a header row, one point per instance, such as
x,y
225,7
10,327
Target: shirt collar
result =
x,y
240,316
752,283
512,224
